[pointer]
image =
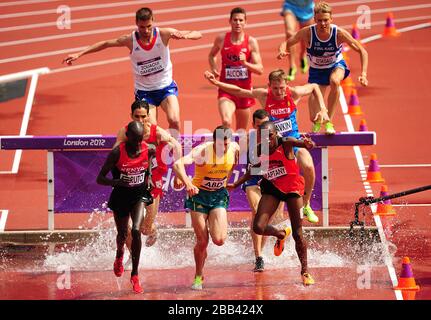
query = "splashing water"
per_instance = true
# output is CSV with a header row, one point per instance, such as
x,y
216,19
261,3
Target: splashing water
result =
x,y
175,250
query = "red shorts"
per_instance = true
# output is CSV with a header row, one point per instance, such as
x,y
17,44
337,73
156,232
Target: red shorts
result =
x,y
157,176
240,103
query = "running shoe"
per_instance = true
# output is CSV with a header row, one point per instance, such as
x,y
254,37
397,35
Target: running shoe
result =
x,y
309,213
279,244
307,279
304,65
118,266
316,127
259,265
136,285
197,283
292,73
329,128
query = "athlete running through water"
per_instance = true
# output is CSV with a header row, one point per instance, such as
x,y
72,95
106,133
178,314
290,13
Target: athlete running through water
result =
x,y
130,163
281,182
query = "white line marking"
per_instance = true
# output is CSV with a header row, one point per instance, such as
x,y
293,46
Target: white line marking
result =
x,y
3,219
83,135
361,166
27,110
412,205
22,2
158,12
80,8
404,165
123,59
131,27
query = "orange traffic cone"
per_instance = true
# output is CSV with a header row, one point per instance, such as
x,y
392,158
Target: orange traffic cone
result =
x,y
348,82
347,85
346,57
390,30
355,32
363,125
406,282
385,208
374,174
354,107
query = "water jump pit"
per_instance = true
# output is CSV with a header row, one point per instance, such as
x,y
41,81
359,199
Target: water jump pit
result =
x,y
77,264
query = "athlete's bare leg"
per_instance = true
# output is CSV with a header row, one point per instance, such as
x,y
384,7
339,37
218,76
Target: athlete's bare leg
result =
x,y
290,26
335,80
217,224
136,215
242,118
268,205
313,103
171,107
303,54
294,205
202,236
306,164
153,114
253,197
226,108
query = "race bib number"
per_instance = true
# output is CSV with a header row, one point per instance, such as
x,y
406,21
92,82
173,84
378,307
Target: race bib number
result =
x,y
154,164
133,179
213,183
324,60
275,173
149,67
283,126
236,73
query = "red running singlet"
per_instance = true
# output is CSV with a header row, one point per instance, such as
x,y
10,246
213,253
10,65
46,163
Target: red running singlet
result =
x,y
233,72
134,168
283,173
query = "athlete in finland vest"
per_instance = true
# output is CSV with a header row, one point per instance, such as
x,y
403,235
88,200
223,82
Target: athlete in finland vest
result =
x,y
324,54
283,114
151,64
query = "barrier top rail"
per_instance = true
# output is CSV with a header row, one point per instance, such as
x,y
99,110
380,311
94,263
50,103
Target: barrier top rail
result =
x,y
107,141
23,74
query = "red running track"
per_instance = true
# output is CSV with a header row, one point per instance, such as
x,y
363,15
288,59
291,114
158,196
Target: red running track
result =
x,y
95,99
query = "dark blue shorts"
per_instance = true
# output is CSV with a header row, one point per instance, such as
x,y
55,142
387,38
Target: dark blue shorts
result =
x,y
321,76
254,181
156,97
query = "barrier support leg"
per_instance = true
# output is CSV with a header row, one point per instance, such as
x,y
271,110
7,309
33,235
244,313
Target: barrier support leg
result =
x,y
50,173
325,187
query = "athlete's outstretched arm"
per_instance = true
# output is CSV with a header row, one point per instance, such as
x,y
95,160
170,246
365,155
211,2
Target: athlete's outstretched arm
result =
x,y
305,142
301,35
180,170
123,41
174,145
313,89
344,36
255,65
171,33
231,88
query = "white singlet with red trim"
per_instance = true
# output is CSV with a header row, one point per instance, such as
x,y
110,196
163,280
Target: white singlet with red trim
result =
x,y
151,64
